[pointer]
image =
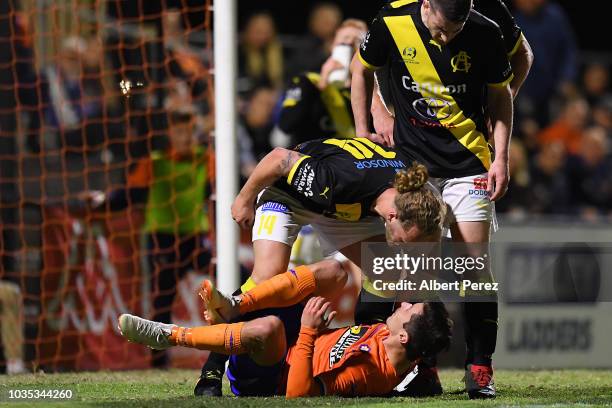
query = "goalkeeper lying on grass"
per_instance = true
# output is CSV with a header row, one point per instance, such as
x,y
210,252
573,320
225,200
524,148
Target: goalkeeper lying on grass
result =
x,y
272,355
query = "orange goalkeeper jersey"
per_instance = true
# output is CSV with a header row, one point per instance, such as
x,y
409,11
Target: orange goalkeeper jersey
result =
x,y
347,362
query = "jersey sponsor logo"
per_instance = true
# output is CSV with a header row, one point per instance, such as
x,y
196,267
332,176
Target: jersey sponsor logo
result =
x,y
348,338
433,108
380,163
429,124
461,62
274,207
303,180
434,88
409,55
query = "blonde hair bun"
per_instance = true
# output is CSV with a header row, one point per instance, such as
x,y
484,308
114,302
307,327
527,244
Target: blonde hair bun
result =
x,y
411,179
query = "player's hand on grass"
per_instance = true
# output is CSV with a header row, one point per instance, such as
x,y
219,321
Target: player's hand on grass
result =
x,y
499,176
243,211
314,313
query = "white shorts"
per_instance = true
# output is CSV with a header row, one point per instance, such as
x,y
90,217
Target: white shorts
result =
x,y
279,217
466,199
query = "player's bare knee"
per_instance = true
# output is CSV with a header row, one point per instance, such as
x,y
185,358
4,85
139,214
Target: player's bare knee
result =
x,y
263,330
330,273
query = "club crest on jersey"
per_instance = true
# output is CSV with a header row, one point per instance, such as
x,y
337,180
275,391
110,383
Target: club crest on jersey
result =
x,y
409,55
348,338
461,62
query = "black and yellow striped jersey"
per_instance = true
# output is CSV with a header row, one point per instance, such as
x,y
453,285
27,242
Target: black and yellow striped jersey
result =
x,y
341,178
310,113
438,91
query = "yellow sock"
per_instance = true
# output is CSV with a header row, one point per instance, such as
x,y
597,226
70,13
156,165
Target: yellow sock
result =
x,y
282,290
220,338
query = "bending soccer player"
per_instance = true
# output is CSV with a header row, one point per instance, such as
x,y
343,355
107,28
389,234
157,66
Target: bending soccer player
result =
x,y
350,361
348,190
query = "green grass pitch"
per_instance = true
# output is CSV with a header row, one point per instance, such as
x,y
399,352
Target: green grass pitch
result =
x,y
174,389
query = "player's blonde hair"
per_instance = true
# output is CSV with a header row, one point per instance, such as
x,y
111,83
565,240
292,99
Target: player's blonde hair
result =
x,y
416,203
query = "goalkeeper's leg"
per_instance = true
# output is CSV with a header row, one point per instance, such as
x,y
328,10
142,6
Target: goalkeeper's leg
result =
x,y
263,338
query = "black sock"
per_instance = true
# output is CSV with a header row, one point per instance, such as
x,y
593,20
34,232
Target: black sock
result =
x,y
215,361
480,332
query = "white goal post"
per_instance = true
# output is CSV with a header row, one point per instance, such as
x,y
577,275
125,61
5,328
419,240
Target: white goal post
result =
x,y
225,73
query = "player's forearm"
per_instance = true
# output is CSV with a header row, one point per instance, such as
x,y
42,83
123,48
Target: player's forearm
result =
x,y
300,381
379,107
521,62
362,85
275,165
500,106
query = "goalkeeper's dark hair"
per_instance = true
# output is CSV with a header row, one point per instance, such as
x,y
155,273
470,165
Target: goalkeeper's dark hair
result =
x,y
429,332
456,11
416,203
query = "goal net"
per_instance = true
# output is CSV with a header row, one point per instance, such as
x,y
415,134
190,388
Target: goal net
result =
x,y
106,174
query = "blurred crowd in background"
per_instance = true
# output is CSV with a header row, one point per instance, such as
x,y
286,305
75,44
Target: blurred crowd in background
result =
x,y
561,161
560,156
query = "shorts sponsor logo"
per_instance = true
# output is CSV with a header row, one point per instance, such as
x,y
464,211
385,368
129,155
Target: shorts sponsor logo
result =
x,y
379,163
348,338
480,188
275,207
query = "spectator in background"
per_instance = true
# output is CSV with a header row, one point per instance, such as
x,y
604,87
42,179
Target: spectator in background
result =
x,y
185,63
174,186
12,327
549,186
26,77
257,120
602,114
313,50
69,105
517,200
315,107
596,88
569,127
554,69
595,83
260,55
590,175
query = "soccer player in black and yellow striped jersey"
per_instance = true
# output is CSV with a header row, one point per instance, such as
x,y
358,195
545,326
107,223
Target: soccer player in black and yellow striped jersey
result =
x,y
448,65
